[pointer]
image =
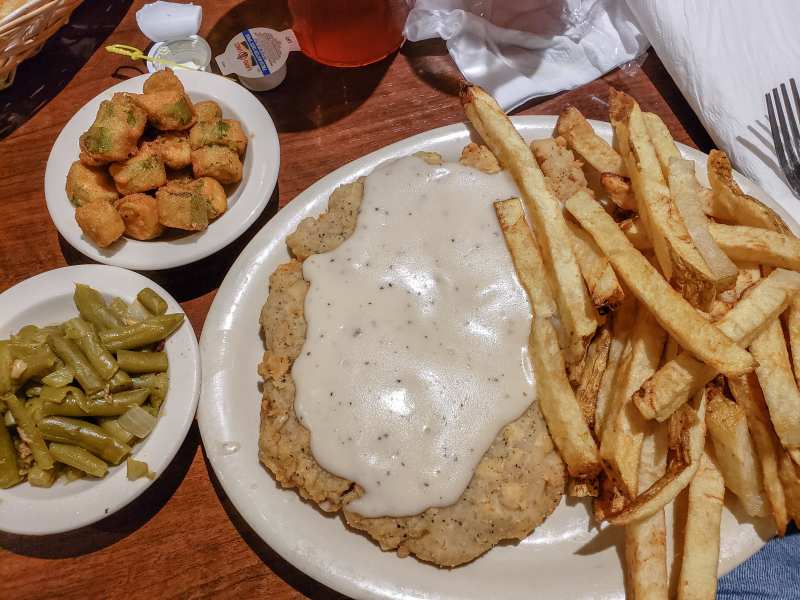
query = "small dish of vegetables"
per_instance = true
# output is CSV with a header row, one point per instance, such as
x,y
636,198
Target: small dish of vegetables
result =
x,y
99,378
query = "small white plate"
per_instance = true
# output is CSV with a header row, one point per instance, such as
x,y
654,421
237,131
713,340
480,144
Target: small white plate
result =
x,y
566,557
46,299
245,204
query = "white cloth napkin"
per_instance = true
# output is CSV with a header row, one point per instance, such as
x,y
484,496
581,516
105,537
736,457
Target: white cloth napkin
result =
x,y
724,55
521,49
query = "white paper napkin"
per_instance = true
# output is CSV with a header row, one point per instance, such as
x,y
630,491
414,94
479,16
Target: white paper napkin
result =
x,y
521,49
725,55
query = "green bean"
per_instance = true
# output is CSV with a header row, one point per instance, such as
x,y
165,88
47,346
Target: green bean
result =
x,y
5,367
115,430
41,477
31,360
83,334
58,394
79,458
142,362
35,336
28,431
71,355
120,381
97,407
59,378
157,383
85,435
9,469
152,301
93,308
141,334
120,308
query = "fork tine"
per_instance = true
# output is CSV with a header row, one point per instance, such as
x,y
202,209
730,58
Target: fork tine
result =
x,y
791,119
779,150
784,131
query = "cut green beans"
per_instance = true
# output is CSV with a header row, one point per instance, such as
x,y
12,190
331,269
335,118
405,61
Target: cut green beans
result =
x,y
87,435
120,381
142,362
152,301
83,334
9,469
67,351
141,334
116,405
77,396
79,458
29,433
93,308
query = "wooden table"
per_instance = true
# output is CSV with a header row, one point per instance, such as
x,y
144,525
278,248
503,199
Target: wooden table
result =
x,y
183,538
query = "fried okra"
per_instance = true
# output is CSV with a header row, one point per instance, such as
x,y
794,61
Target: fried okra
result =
x,y
173,148
207,110
115,132
139,212
221,132
85,184
219,162
180,205
162,81
143,172
100,222
169,110
214,194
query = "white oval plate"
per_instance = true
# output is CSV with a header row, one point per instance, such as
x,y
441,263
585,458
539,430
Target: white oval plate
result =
x,y
246,202
564,558
46,299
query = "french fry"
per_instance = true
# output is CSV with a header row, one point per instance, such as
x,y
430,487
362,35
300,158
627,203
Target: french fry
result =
x,y
592,375
632,136
590,147
730,203
673,313
618,188
646,540
564,176
624,430
698,576
622,321
758,245
679,472
774,372
735,453
557,401
747,277
673,383
748,395
526,257
636,234
664,145
609,501
791,486
793,329
684,189
604,287
574,305
560,409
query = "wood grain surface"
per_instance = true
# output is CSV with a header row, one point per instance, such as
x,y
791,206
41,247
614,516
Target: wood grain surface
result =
x,y
182,538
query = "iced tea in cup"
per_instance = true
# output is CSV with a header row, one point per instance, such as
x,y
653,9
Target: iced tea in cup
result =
x,y
349,33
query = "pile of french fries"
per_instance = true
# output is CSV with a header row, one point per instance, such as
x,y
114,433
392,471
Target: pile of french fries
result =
x,y
665,337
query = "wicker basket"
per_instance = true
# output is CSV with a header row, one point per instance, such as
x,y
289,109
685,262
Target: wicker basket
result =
x,y
24,32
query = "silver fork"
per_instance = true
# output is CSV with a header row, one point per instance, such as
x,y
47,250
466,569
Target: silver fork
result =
x,y
786,133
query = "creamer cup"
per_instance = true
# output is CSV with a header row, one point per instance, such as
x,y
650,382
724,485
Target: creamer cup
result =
x,y
258,57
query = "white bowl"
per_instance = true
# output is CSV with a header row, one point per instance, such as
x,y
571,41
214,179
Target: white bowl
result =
x,y
46,299
245,204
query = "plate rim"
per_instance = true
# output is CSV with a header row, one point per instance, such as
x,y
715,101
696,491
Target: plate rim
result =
x,y
175,439
254,195
264,242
